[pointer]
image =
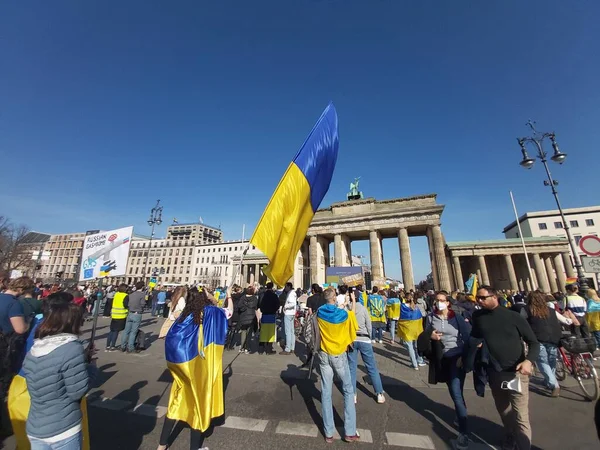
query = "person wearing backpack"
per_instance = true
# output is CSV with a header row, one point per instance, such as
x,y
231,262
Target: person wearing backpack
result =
x,y
443,343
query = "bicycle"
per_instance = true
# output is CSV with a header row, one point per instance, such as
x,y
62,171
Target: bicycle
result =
x,y
576,357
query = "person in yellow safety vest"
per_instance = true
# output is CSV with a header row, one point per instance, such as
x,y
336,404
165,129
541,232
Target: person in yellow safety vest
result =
x,y
119,316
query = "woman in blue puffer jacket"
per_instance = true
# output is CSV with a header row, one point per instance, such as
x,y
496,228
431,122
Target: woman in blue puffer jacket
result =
x,y
57,379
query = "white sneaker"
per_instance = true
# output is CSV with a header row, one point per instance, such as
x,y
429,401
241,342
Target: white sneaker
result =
x,y
373,341
380,398
422,363
381,341
355,399
416,368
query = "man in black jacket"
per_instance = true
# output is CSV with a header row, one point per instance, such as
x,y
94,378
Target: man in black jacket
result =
x,y
504,332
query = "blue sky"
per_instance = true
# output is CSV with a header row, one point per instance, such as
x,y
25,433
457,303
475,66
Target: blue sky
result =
x,y
107,106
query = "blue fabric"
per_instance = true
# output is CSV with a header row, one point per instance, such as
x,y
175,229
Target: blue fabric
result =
x,y
409,314
597,337
181,343
328,365
161,297
268,318
10,306
71,443
35,323
456,383
111,341
415,359
393,325
593,306
131,328
317,156
332,314
366,353
290,337
547,364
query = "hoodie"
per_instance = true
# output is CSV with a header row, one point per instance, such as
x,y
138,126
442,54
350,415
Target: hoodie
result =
x,y
57,379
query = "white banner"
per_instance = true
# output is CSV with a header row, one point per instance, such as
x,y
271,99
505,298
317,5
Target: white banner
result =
x,y
105,254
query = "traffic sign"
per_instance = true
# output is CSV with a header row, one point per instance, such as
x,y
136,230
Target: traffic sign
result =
x,y
591,264
590,245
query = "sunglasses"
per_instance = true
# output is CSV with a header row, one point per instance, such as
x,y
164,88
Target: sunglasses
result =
x,y
483,297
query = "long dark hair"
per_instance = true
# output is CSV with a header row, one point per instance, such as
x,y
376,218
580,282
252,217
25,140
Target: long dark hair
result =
x,y
60,316
538,305
195,303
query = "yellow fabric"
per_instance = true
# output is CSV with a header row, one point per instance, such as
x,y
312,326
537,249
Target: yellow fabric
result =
x,y
267,332
409,330
593,320
197,391
18,409
336,337
118,310
393,310
283,225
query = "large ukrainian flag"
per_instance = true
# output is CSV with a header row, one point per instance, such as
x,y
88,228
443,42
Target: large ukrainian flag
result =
x,y
283,225
195,358
19,401
410,325
337,327
392,307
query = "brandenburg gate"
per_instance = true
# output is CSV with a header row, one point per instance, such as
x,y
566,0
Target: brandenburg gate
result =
x,y
375,220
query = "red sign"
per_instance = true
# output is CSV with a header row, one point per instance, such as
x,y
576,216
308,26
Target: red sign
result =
x,y
112,237
590,245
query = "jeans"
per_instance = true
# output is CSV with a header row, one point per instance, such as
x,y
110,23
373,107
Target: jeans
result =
x,y
393,324
154,307
71,443
547,364
377,334
329,365
455,383
513,408
597,337
366,352
411,346
112,339
290,337
131,328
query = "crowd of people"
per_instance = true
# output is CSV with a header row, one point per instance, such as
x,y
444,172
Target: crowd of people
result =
x,y
496,336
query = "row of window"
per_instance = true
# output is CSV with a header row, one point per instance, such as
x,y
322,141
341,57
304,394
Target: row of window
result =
x,y
572,224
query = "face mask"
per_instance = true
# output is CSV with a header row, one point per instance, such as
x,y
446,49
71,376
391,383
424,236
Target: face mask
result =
x,y
441,306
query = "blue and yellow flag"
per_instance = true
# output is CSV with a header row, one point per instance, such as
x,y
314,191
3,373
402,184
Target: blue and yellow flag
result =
x,y
410,325
376,307
337,327
268,328
472,285
284,223
19,401
194,356
392,307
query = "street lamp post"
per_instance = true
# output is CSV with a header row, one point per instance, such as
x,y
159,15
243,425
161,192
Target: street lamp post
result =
x,y
537,138
155,219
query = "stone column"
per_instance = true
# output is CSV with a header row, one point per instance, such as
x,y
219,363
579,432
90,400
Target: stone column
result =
x,y
512,276
405,259
460,282
440,258
540,273
337,250
434,273
566,256
550,273
346,250
257,273
560,272
244,275
376,258
313,257
485,278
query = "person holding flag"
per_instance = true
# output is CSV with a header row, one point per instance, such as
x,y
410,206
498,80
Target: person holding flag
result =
x,y
376,308
194,354
392,307
410,326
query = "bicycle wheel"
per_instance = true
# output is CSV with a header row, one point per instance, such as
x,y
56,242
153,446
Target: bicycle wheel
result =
x,y
586,376
561,371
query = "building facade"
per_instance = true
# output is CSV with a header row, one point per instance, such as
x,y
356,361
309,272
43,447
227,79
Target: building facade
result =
x,y
63,257
582,221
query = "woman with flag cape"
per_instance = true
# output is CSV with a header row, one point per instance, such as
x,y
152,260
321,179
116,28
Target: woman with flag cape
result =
x,y
194,353
410,326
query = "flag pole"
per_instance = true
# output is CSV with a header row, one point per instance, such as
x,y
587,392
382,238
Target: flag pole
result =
x,y
512,199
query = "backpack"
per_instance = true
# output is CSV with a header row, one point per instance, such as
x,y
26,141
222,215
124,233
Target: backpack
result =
x,y
140,340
